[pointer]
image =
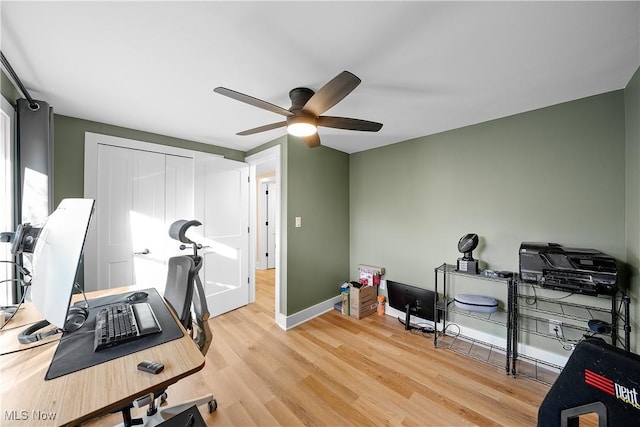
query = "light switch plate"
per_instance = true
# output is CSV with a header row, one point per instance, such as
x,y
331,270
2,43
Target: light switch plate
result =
x,y
298,221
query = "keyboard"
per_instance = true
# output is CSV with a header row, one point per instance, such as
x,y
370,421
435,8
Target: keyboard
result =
x,y
120,323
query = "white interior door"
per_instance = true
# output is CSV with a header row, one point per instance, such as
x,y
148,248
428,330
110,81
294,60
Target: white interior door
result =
x,y
179,197
271,225
147,219
129,211
222,205
139,194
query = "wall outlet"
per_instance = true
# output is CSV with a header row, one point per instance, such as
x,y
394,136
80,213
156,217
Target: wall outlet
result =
x,y
383,284
555,327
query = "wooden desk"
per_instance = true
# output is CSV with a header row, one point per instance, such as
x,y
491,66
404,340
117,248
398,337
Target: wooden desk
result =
x,y
26,399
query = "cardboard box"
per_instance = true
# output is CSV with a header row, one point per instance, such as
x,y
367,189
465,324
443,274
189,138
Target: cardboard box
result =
x,y
364,301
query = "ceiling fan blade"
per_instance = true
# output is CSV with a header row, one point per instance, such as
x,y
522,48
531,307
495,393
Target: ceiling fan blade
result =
x,y
252,101
349,123
262,128
332,93
312,140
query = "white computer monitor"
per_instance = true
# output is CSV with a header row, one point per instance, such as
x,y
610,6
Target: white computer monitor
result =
x,y
56,258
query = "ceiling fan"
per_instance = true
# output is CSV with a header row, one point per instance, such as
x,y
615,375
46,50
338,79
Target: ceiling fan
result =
x,y
304,116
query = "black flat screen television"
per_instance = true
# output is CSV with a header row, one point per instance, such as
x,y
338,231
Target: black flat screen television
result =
x,y
412,300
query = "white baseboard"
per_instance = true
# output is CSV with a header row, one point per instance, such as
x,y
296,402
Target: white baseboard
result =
x,y
293,320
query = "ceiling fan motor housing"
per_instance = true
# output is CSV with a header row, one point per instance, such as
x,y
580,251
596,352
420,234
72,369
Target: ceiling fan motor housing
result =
x,y
299,96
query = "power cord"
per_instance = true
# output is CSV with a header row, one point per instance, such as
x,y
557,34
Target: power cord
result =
x,y
23,270
533,300
567,344
419,328
457,334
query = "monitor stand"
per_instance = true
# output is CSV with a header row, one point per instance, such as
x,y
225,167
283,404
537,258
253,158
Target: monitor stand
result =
x,y
407,318
407,322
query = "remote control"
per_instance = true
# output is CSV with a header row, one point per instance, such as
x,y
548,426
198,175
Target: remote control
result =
x,y
151,367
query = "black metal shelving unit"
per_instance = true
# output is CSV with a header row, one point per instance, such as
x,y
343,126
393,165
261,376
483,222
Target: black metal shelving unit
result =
x,y
533,314
528,313
504,317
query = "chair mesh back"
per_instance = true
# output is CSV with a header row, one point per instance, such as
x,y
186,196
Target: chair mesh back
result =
x,y
179,288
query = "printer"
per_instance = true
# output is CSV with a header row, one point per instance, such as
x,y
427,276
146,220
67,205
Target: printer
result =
x,y
584,271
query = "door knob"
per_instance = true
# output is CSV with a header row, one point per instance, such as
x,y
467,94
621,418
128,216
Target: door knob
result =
x,y
145,251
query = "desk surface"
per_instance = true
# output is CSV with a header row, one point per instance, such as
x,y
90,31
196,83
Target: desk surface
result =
x,y
26,399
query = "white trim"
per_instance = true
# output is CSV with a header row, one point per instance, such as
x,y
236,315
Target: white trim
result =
x,y
545,356
310,312
116,141
268,155
253,221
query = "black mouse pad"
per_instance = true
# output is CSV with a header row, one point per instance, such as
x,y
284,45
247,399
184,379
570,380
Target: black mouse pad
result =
x,y
75,351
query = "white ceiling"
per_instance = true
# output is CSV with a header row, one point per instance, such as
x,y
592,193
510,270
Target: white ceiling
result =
x,y
426,67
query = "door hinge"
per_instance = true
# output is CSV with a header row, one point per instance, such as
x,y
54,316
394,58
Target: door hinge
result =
x,y
266,223
266,192
267,254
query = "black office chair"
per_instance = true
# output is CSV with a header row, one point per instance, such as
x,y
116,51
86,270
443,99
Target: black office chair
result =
x,y
598,378
185,295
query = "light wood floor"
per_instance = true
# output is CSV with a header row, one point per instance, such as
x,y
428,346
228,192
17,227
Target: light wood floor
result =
x,y
334,370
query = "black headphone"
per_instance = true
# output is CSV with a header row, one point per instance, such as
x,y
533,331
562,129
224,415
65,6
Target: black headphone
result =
x,y
76,316
599,326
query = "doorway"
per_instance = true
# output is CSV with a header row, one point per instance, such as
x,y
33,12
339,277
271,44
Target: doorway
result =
x,y
267,220
267,274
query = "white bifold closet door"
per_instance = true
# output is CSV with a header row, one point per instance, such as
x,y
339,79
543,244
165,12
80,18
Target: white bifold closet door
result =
x,y
140,190
139,194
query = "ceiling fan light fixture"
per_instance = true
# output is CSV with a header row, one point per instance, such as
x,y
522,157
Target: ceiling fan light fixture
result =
x,y
301,126
301,129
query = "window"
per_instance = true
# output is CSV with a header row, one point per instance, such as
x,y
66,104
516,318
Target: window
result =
x,y
6,195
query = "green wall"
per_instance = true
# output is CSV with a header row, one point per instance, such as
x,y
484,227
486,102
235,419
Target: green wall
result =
x,y
317,252
8,90
632,123
315,257
551,175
